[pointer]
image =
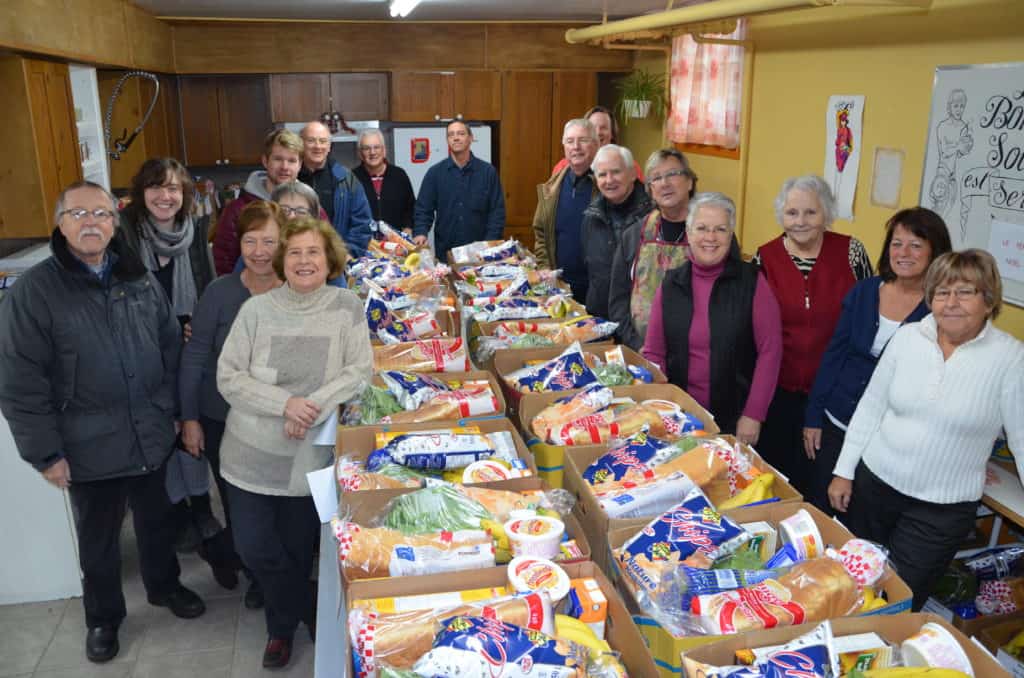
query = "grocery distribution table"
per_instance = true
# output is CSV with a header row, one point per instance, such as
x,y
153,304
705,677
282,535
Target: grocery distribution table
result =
x,y
1004,494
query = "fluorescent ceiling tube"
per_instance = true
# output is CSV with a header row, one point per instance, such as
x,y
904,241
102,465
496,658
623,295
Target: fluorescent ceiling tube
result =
x,y
401,8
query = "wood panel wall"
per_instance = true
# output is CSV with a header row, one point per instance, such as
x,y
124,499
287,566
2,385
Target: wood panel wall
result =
x,y
272,47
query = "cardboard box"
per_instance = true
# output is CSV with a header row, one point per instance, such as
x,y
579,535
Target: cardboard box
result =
x,y
969,627
667,648
551,458
523,253
620,632
509,360
994,637
477,328
446,322
472,375
363,508
358,442
893,629
596,522
431,355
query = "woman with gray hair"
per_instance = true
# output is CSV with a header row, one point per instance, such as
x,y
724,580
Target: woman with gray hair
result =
x,y
715,327
810,269
297,200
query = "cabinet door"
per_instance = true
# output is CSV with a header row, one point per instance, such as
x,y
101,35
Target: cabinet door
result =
x,y
478,95
418,96
56,136
525,153
200,120
299,97
244,118
360,96
574,92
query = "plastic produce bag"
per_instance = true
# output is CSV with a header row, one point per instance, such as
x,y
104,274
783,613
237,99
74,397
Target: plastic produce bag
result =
x,y
434,509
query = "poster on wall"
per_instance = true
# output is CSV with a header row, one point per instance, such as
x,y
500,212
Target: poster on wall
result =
x,y
974,163
843,134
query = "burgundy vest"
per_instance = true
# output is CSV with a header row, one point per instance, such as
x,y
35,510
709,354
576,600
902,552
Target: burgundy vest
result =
x,y
810,306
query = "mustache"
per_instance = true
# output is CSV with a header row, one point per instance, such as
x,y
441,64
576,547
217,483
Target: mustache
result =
x,y
89,231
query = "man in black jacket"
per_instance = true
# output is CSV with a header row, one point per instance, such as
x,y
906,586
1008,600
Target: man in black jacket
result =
x,y
88,351
387,187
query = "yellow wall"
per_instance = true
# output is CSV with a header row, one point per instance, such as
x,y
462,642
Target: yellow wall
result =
x,y
889,56
643,137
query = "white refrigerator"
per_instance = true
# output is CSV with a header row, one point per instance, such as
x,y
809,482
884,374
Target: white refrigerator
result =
x,y
417,149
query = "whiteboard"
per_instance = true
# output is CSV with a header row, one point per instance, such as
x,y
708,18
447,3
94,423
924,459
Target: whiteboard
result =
x,y
974,163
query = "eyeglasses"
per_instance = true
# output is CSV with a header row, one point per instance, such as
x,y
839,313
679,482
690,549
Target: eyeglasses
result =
x,y
295,211
573,141
316,140
961,293
666,176
368,149
79,213
704,229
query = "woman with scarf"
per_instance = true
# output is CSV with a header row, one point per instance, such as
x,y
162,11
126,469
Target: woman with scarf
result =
x,y
158,224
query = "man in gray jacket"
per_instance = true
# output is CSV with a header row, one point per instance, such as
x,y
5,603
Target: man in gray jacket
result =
x,y
88,351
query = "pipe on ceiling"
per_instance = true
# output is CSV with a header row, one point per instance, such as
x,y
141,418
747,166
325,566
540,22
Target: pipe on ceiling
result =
x,y
715,10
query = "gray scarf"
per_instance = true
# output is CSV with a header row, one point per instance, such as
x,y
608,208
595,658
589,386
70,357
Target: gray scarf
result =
x,y
174,245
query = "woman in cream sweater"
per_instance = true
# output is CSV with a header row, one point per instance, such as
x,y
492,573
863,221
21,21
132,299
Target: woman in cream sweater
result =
x,y
293,355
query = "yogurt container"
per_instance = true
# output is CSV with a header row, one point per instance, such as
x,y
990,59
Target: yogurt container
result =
x,y
527,574
485,471
936,647
535,536
800,531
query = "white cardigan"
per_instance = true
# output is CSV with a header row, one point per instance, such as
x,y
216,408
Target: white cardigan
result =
x,y
926,425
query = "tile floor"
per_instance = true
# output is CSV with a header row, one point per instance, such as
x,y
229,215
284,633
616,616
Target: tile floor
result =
x,y
47,640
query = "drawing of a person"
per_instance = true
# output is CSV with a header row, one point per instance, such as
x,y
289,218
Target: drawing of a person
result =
x,y
953,140
844,139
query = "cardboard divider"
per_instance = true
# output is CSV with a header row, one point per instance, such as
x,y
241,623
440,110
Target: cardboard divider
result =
x,y
667,648
509,360
893,629
596,522
448,377
364,508
620,632
551,458
995,637
358,442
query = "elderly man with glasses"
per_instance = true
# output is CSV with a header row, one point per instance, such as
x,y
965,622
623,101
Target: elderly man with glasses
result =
x,y
387,187
560,204
652,246
88,357
341,195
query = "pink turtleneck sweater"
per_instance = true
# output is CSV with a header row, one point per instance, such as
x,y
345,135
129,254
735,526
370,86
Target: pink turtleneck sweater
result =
x,y
767,338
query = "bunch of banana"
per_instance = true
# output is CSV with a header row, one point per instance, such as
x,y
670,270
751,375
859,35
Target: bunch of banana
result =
x,y
1016,645
412,262
572,629
908,672
502,546
759,489
871,601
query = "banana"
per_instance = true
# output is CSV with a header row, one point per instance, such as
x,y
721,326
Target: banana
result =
x,y
908,672
502,546
412,261
572,629
759,489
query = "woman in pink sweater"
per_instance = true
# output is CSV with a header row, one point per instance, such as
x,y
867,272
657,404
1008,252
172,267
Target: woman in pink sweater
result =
x,y
715,327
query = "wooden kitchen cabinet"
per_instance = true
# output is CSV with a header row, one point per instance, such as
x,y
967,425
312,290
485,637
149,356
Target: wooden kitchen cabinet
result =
x,y
418,96
573,94
41,156
300,97
224,119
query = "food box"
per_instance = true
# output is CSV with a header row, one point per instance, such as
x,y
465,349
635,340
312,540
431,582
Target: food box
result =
x,y
550,458
596,522
995,637
620,632
893,629
667,648
509,360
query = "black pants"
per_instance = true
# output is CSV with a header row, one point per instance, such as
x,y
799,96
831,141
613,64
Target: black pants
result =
x,y
922,537
782,439
275,536
99,512
824,462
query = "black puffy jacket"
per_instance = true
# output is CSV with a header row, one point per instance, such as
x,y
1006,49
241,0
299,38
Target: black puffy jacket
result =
x,y
87,368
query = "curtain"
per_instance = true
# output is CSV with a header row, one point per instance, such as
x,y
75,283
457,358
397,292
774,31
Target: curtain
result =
x,y
706,88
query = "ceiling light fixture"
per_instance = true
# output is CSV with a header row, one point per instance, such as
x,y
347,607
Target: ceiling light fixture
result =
x,y
401,8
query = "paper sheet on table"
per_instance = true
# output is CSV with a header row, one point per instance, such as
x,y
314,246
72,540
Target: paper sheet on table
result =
x,y
327,432
1005,487
324,491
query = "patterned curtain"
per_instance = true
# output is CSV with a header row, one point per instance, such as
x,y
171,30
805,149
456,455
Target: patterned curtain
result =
x,y
706,88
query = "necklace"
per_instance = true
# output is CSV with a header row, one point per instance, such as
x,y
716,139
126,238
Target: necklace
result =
x,y
661,231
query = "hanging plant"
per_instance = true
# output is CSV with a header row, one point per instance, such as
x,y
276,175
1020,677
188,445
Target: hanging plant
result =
x,y
641,93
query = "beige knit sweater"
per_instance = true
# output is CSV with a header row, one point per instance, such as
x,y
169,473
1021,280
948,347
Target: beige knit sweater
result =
x,y
285,344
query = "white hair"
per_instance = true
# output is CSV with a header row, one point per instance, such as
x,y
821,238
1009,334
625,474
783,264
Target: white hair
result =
x,y
714,200
369,132
581,122
623,153
809,183
62,199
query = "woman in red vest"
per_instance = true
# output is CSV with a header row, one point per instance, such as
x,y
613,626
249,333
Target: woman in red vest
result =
x,y
810,269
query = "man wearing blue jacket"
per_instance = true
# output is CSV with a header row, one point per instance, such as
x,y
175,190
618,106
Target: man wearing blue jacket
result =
x,y
341,194
460,197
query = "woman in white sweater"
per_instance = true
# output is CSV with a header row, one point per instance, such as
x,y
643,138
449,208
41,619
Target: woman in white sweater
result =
x,y
912,468
293,355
